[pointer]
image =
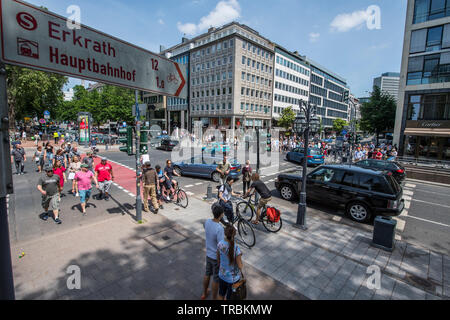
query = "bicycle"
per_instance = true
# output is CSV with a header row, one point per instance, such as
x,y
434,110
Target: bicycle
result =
x,y
248,209
244,228
182,198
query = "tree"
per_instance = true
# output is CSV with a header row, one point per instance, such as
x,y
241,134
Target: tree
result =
x,y
378,115
32,92
338,125
287,118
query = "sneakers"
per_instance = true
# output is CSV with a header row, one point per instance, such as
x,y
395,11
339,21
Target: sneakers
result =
x,y
45,217
57,221
77,194
156,211
107,198
145,210
161,206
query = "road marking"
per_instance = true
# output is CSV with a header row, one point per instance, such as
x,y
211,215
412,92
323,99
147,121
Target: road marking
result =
x,y
189,186
398,237
410,185
400,224
197,184
408,192
271,180
434,204
430,221
428,183
189,193
436,193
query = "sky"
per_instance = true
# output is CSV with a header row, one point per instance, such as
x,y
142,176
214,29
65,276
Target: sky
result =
x,y
356,39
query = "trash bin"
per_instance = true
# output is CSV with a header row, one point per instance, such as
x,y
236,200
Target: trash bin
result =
x,y
384,233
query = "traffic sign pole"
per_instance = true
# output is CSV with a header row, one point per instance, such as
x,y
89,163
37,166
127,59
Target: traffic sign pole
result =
x,y
138,167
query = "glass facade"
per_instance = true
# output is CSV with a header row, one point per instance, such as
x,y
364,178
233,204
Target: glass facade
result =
x,y
428,107
426,10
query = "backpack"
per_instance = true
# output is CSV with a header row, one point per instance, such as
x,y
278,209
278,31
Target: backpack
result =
x,y
273,214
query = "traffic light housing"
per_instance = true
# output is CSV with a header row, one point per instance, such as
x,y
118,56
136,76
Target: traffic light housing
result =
x,y
358,139
346,96
126,137
269,142
143,149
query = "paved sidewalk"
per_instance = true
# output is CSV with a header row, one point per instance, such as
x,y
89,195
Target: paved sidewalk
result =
x,y
330,260
120,259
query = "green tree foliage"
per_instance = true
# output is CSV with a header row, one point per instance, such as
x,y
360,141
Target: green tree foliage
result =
x,y
32,92
287,118
338,125
111,103
378,115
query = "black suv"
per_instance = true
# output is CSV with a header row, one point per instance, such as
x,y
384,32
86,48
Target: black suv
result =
x,y
397,170
168,144
361,191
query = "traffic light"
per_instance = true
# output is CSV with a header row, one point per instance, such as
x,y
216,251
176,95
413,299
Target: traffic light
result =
x,y
143,149
126,137
269,142
358,139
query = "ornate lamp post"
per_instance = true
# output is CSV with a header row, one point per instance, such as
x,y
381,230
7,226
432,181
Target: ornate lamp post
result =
x,y
304,123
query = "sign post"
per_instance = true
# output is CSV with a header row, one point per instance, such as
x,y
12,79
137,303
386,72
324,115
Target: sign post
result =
x,y
138,162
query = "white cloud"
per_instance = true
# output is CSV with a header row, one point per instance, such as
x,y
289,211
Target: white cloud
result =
x,y
224,12
347,21
161,21
314,37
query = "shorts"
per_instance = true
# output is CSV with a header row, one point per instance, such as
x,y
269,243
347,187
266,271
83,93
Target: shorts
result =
x,y
104,186
84,194
50,202
168,184
212,269
263,202
225,289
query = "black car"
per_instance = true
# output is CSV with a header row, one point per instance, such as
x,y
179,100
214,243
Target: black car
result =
x,y
362,192
168,144
397,170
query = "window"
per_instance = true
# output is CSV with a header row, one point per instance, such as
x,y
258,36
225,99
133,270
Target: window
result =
x,y
242,90
223,106
248,62
243,44
242,106
224,76
231,59
253,63
248,76
253,78
230,90
243,60
243,75
231,43
218,92
224,91
348,179
323,175
434,39
225,45
219,46
229,106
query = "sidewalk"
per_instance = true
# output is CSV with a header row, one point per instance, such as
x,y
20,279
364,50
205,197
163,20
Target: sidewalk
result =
x,y
118,258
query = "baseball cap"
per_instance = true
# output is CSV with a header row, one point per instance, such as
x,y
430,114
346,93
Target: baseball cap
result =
x,y
104,159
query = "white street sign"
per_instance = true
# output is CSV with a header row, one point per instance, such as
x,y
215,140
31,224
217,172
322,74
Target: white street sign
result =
x,y
34,38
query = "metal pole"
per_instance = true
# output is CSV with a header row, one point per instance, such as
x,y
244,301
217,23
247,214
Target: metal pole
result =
x,y
301,212
6,187
138,167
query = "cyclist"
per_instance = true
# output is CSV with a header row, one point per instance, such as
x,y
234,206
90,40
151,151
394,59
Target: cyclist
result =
x,y
264,193
170,182
225,193
161,191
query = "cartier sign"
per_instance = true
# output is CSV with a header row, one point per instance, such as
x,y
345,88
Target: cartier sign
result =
x,y
431,124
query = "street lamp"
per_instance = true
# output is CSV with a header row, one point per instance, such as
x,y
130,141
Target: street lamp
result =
x,y
304,123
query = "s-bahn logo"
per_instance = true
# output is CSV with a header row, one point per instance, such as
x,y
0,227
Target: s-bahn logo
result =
x,y
26,21
27,48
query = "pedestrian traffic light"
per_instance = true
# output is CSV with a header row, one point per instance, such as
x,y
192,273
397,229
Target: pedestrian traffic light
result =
x,y
126,137
358,139
143,149
269,142
346,96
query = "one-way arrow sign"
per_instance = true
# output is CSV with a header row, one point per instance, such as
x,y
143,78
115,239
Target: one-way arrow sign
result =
x,y
35,38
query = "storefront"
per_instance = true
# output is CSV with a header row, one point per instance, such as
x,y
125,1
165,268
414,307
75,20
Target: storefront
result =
x,y
427,139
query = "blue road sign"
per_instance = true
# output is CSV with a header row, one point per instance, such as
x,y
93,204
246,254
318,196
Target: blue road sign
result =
x,y
344,132
46,113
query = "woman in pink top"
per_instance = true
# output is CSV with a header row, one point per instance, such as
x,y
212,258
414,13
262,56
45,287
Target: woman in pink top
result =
x,y
84,179
59,170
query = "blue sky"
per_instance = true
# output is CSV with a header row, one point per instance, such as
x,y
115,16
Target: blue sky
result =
x,y
334,33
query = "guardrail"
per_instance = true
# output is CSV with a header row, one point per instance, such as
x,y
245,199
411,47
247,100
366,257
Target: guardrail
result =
x,y
425,163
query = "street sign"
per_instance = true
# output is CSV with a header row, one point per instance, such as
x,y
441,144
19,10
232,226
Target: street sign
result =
x,y
42,121
35,38
46,113
344,132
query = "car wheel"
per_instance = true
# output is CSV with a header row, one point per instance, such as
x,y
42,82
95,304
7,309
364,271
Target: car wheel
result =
x,y
287,192
177,170
216,177
358,211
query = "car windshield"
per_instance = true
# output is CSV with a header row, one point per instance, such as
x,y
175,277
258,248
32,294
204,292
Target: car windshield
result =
x,y
315,152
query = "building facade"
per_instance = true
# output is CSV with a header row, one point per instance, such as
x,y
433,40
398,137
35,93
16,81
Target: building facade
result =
x,y
422,126
388,82
291,81
230,77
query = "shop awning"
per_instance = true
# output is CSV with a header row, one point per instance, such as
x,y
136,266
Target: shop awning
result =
x,y
427,132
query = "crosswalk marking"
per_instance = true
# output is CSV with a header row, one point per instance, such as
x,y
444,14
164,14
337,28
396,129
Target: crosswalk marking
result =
x,y
430,221
434,204
200,183
189,186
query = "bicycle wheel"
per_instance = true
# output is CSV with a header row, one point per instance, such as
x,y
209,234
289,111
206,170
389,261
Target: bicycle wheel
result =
x,y
245,210
272,226
182,198
246,233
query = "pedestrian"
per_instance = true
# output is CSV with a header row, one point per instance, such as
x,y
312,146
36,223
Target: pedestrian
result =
x,y
56,136
74,167
89,161
246,175
171,184
39,159
160,195
36,139
60,157
229,259
18,157
67,152
59,170
225,194
213,235
24,136
378,155
224,169
105,176
84,178
151,185
49,156
50,188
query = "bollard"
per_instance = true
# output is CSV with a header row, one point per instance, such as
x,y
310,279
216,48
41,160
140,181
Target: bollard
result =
x,y
209,192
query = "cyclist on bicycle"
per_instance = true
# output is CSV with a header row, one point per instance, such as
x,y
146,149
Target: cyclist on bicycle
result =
x,y
264,193
161,192
225,193
171,184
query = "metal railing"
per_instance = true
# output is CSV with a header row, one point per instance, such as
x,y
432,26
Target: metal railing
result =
x,y
425,163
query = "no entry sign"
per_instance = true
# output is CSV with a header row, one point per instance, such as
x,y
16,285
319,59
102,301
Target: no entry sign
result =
x,y
34,38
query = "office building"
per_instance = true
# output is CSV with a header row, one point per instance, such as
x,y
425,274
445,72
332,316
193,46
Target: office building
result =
x,y
388,83
422,126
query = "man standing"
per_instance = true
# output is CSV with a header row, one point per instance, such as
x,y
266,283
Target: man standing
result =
x,y
89,161
104,175
84,178
224,169
213,234
50,188
151,184
358,154
18,157
56,136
